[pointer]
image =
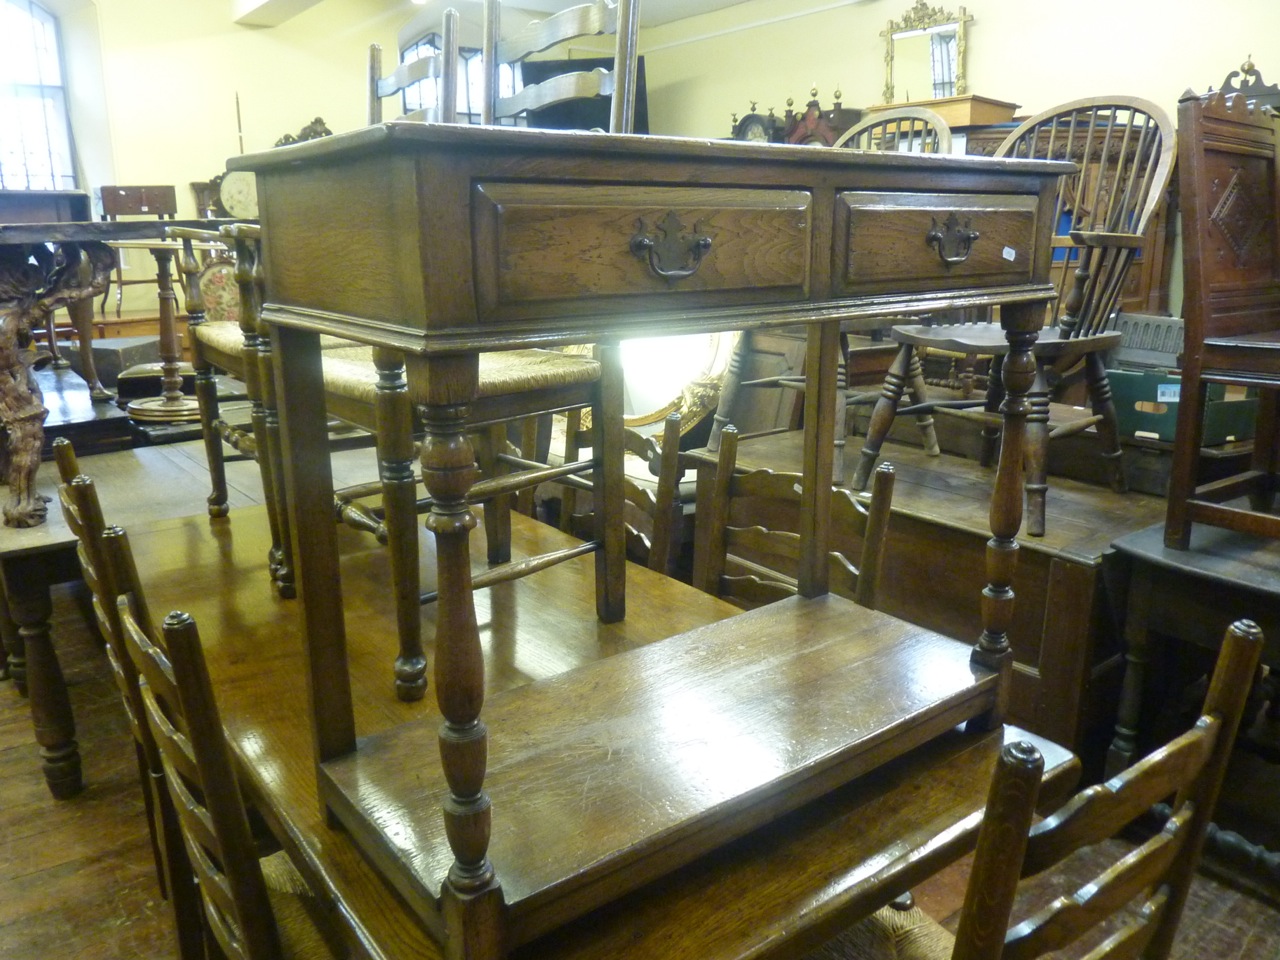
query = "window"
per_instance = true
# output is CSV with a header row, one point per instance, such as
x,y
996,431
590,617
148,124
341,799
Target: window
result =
x,y
35,137
470,79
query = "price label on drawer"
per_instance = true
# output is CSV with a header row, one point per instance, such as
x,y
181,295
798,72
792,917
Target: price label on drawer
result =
x,y
1009,254
1168,392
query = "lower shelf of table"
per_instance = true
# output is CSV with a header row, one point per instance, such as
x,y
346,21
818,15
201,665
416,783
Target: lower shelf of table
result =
x,y
623,770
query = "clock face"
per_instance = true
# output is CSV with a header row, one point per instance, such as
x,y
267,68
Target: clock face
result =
x,y
753,128
239,194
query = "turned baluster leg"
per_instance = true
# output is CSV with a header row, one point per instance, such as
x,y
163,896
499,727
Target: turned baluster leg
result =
x,y
882,415
1036,459
1021,323
1137,656
471,897
729,387
206,384
30,604
172,405
270,455
394,420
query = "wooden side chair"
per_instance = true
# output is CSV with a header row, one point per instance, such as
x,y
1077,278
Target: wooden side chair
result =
x,y
747,546
1124,147
254,909
1229,177
160,202
652,516
108,570
1141,896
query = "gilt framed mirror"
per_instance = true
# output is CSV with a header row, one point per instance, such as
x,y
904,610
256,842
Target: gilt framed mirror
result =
x,y
924,54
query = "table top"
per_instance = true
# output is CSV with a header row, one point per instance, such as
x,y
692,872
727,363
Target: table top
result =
x,y
1232,560
849,847
97,230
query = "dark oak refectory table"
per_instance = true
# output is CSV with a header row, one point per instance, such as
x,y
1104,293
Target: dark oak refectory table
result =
x,y
435,242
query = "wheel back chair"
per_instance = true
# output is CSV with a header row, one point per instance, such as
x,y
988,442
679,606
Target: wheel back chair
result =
x,y
1140,898
368,387
1124,148
747,542
1228,174
904,130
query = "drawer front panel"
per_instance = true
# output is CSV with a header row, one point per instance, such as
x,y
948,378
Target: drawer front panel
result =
x,y
549,249
882,240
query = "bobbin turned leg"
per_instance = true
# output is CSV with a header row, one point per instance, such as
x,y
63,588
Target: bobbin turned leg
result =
x,y
1021,324
471,898
882,415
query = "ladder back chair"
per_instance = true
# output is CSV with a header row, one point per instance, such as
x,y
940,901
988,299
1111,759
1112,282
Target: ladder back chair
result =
x,y
160,202
1124,147
1230,194
601,17
107,565
254,909
747,546
442,71
1141,896
863,362
652,516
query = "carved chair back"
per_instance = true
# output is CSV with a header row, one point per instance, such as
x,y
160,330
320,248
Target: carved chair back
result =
x,y
442,70
749,545
902,130
1151,881
1124,147
1229,176
598,18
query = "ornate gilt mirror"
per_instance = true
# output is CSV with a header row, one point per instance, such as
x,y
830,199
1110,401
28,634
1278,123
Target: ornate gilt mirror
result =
x,y
924,54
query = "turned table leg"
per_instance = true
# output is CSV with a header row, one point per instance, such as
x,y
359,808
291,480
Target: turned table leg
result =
x,y
1021,324
27,579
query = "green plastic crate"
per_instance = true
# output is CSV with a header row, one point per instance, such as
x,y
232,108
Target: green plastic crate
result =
x,y
1147,406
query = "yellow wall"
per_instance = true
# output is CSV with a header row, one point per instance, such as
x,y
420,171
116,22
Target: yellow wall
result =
x,y
159,103
702,70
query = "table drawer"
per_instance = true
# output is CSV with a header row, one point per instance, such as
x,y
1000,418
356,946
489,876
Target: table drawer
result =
x,y
556,249
901,242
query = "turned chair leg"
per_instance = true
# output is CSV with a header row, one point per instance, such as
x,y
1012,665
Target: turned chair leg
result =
x,y
1108,427
995,397
882,416
1035,457
918,391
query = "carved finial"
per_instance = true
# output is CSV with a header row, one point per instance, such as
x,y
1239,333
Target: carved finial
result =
x,y
813,91
1247,67
753,106
790,103
838,94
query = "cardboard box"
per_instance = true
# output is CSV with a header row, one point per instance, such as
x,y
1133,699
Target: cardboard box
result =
x,y
1147,406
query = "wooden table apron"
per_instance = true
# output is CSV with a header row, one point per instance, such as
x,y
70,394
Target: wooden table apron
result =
x,y
440,241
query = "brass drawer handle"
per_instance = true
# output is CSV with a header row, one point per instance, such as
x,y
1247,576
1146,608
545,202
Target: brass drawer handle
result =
x,y
671,255
952,241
